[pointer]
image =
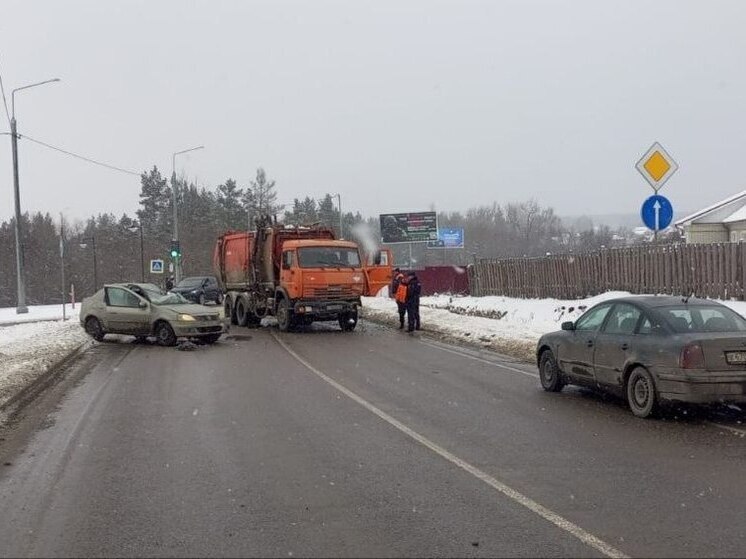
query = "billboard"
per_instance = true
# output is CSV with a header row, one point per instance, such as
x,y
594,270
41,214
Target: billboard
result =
x,y
450,237
417,227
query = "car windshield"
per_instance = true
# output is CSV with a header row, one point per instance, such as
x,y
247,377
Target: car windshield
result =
x,y
160,298
190,282
328,257
700,319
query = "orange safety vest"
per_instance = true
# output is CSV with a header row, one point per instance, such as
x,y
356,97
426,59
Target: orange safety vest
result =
x,y
401,293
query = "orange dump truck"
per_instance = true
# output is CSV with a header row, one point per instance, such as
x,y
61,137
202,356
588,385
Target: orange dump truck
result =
x,y
297,274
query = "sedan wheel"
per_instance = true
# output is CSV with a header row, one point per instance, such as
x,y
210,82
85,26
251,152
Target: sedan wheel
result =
x,y
93,329
165,334
549,373
641,393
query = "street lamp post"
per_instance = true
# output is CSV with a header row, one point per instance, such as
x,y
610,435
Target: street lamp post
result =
x,y
133,228
21,307
177,264
84,244
339,205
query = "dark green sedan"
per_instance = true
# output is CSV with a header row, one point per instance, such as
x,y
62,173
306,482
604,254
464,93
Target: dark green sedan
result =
x,y
649,350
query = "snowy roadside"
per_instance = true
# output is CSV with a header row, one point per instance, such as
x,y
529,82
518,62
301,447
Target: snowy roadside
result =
x,y
28,350
38,313
502,324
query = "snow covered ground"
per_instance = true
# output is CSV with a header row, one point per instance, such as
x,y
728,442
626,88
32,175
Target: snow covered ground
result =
x,y
42,312
28,349
503,324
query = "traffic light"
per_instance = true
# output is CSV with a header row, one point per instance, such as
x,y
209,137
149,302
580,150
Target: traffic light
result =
x,y
175,250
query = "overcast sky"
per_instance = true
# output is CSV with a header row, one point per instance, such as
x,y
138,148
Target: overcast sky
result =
x,y
397,105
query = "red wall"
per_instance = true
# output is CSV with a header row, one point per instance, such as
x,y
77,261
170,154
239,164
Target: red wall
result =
x,y
444,279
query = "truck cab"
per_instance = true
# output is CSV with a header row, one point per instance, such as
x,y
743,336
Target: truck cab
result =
x,y
324,280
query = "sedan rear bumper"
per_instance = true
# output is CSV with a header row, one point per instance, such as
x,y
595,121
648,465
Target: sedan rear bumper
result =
x,y
703,388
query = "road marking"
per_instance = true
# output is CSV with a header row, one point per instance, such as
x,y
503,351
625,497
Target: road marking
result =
x,y
585,537
482,360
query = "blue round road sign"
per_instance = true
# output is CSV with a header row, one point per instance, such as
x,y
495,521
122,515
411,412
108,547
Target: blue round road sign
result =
x,y
657,212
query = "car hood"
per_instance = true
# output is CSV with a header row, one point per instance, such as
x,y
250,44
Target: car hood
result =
x,y
195,310
186,289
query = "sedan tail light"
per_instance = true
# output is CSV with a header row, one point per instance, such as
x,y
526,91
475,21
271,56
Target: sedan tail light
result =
x,y
692,357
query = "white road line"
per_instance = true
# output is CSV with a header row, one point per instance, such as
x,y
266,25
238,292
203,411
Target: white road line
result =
x,y
481,360
585,537
736,430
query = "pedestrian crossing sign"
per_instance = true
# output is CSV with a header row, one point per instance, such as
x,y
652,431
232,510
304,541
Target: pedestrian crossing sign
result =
x,y
156,266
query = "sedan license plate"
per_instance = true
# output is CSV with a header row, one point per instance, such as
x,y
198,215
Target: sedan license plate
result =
x,y
334,307
735,357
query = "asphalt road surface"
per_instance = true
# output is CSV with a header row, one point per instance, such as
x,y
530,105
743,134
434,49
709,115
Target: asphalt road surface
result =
x,y
373,443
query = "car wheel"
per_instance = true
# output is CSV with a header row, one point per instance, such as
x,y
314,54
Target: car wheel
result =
x,y
284,316
348,321
201,299
641,395
93,328
165,334
549,373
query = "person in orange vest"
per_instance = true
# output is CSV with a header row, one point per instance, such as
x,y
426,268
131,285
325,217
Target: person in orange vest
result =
x,y
401,299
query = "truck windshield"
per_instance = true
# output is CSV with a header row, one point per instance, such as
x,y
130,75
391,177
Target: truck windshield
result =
x,y
328,257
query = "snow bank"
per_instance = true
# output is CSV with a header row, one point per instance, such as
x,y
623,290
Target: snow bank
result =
x,y
27,350
42,312
503,324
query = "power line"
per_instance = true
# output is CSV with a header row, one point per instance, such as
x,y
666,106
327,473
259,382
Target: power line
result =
x,y
71,154
5,101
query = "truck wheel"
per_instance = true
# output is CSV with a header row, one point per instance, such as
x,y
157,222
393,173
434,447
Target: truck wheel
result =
x,y
348,321
230,313
284,316
242,312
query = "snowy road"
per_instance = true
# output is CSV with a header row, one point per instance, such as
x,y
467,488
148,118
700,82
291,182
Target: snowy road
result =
x,y
371,443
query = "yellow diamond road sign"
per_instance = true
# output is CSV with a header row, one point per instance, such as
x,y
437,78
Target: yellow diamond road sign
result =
x,y
656,166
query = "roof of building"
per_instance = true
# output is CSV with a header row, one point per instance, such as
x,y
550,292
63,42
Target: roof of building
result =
x,y
726,211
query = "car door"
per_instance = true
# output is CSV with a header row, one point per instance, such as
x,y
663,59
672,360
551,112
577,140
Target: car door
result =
x,y
615,343
576,352
378,272
212,289
126,313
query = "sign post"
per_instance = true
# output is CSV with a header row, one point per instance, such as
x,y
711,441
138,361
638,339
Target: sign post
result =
x,y
656,167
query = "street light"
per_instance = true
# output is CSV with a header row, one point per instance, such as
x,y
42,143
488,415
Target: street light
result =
x,y
21,307
133,228
177,264
84,244
339,204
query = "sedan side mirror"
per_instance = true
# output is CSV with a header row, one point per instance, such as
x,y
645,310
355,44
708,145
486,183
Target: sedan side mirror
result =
x,y
569,325
143,305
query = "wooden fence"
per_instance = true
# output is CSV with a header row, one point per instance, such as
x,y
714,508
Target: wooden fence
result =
x,y
705,270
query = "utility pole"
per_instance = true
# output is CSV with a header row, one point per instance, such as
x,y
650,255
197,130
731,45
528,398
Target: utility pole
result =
x,y
21,307
62,264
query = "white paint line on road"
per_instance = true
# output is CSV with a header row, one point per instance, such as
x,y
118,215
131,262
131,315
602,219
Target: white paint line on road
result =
x,y
585,537
481,360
